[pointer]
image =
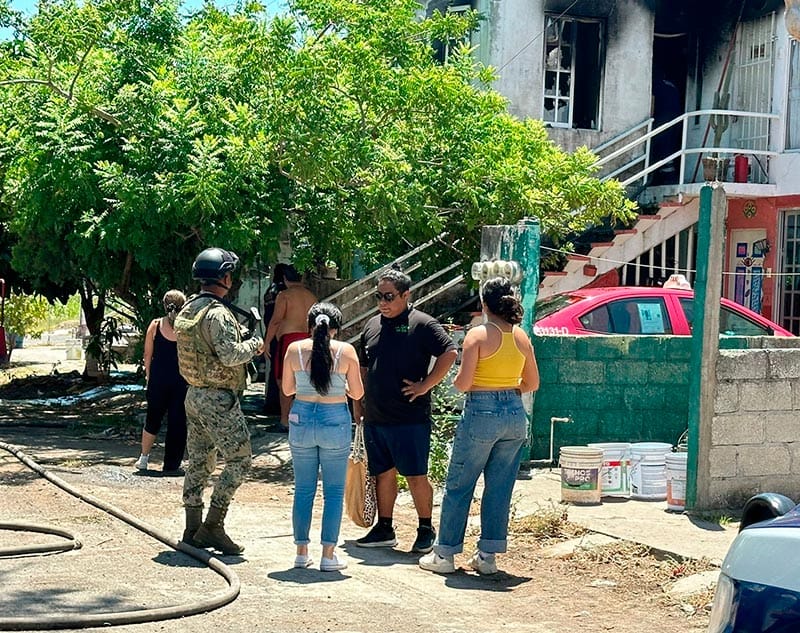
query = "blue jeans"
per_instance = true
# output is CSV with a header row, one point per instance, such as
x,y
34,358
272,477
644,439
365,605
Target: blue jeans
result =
x,y
319,436
488,440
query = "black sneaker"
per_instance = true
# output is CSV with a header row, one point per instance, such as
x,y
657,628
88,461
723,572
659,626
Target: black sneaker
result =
x,y
426,535
378,536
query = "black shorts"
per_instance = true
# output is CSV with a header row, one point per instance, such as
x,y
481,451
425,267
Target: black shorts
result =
x,y
402,446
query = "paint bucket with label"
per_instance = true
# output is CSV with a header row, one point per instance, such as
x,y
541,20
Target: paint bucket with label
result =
x,y
676,481
648,472
614,480
580,474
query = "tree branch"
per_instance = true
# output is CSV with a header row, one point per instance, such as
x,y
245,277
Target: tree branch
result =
x,y
98,112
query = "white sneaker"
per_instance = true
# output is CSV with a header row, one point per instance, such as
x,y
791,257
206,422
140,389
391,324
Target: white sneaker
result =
x,y
141,463
483,563
332,564
438,564
302,562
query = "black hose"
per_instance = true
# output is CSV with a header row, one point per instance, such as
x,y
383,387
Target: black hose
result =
x,y
76,621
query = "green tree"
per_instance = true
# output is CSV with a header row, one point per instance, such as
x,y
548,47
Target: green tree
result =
x,y
131,138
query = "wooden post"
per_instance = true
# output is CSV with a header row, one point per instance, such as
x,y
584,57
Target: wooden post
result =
x,y
705,343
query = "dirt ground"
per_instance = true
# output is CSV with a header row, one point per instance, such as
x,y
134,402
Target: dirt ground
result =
x,y
92,445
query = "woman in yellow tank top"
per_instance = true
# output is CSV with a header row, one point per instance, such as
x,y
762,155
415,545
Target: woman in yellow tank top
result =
x,y
497,366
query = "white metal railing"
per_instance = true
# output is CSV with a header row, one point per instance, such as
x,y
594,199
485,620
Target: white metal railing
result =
x,y
642,144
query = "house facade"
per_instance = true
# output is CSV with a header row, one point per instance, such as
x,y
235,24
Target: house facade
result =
x,y
670,94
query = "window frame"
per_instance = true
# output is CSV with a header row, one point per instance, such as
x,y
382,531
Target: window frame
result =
x,y
575,46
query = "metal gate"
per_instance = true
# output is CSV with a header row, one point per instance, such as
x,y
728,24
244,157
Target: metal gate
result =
x,y
753,88
789,295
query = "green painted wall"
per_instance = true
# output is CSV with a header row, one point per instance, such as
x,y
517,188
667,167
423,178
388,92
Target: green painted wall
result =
x,y
615,388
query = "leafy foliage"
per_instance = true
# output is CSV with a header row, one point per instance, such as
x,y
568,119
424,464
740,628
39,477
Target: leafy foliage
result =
x,y
25,314
131,138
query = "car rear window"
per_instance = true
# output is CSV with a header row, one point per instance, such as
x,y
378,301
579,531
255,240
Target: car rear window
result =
x,y
550,305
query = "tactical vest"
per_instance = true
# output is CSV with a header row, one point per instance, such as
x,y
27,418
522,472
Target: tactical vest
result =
x,y
198,363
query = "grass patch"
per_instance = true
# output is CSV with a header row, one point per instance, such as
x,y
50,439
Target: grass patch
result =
x,y
547,523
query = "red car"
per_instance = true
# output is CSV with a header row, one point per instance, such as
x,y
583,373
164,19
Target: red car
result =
x,y
639,310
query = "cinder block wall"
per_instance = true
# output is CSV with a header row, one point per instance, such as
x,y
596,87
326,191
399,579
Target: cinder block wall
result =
x,y
615,388
633,389
756,426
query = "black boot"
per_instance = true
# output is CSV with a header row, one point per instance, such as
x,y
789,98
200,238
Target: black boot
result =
x,y
212,533
194,519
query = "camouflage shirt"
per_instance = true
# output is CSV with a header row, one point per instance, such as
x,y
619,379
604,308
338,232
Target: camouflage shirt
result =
x,y
211,352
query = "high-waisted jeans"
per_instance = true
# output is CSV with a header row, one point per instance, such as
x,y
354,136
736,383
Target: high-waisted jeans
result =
x,y
488,440
319,437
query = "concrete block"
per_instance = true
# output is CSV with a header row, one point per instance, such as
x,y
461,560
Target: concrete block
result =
x,y
601,347
601,396
557,396
582,372
781,427
727,397
765,395
764,460
736,429
742,365
668,373
794,450
566,549
653,348
722,461
626,372
646,397
784,363
679,348
732,492
554,347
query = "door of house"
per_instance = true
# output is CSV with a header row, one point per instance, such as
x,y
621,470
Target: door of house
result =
x,y
746,265
789,267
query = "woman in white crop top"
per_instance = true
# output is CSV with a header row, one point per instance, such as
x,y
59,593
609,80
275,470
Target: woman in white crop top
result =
x,y
321,373
497,366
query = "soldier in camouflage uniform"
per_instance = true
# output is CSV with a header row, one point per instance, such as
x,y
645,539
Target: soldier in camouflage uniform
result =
x,y
212,356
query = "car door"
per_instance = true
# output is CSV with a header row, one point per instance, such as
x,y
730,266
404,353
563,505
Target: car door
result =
x,y
731,321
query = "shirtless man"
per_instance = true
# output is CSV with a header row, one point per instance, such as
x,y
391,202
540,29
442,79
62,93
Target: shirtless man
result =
x,y
289,323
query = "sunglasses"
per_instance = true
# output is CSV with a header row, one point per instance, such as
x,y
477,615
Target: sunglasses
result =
x,y
388,297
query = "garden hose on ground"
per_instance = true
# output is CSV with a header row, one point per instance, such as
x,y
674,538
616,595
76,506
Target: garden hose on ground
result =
x,y
75,621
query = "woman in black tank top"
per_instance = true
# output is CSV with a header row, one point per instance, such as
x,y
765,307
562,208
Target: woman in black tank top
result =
x,y
166,389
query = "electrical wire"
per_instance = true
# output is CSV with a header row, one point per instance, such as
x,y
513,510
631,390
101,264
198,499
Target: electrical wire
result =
x,y
85,620
640,265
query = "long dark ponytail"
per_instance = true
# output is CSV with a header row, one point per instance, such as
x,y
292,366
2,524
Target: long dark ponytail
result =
x,y
322,318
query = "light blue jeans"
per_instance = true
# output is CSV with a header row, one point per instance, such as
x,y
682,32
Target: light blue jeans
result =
x,y
319,437
488,440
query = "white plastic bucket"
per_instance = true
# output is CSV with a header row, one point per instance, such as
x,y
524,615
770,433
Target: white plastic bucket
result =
x,y
580,474
676,481
614,480
648,472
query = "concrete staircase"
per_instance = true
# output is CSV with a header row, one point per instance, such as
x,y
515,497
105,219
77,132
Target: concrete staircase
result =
x,y
648,232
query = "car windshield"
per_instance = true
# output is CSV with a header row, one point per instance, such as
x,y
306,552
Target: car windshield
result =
x,y
552,304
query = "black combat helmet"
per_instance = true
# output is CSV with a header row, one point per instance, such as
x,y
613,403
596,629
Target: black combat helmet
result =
x,y
213,264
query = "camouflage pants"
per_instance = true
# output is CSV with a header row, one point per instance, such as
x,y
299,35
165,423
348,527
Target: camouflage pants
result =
x,y
215,421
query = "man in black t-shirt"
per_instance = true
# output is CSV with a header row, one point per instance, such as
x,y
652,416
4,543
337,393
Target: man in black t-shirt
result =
x,y
397,348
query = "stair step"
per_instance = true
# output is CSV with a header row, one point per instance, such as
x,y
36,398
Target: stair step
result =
x,y
575,263
623,235
551,277
649,217
601,245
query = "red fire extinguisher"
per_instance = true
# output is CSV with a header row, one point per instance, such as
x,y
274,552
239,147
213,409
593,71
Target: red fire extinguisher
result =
x,y
741,168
